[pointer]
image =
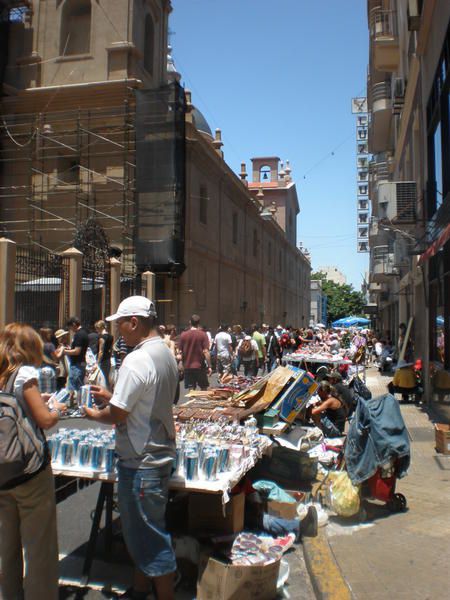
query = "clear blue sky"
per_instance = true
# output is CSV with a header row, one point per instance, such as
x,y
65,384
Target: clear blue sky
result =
x,y
278,77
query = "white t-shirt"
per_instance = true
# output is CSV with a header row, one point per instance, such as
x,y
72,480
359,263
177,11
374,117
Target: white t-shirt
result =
x,y
145,388
223,342
24,375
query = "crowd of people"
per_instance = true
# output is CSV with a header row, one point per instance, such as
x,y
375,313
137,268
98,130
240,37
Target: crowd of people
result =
x,y
135,382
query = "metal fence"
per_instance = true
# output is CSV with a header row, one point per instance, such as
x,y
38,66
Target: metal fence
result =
x,y
130,284
95,291
42,281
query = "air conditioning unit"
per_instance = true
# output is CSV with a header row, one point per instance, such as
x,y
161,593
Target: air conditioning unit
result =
x,y
401,257
397,201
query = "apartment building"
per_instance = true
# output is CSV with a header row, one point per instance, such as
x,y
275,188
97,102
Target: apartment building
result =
x,y
408,91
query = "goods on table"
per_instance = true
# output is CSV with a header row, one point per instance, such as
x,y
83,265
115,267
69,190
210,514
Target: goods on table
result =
x,y
88,450
318,355
206,450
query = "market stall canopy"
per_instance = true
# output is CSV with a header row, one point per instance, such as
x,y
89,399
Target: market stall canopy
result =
x,y
350,322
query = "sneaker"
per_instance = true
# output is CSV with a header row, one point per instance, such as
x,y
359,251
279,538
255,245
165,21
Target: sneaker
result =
x,y
309,525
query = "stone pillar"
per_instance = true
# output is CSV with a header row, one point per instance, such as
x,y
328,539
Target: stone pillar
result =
x,y
115,284
149,287
7,280
75,258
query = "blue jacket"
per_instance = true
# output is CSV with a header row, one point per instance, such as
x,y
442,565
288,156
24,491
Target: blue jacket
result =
x,y
377,433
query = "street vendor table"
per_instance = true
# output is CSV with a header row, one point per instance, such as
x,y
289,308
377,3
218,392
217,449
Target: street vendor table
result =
x,y
307,362
68,481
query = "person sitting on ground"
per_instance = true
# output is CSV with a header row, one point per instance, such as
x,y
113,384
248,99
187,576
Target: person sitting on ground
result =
x,y
404,381
330,414
343,391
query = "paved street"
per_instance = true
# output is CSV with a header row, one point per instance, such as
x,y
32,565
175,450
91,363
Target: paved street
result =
x,y
402,555
74,521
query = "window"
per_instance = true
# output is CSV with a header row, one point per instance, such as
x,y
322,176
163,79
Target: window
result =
x,y
255,243
75,27
203,205
149,44
235,228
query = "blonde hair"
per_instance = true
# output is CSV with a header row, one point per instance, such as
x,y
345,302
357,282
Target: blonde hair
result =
x,y
20,345
100,325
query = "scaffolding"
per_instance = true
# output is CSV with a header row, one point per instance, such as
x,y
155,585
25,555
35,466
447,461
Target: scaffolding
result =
x,y
60,169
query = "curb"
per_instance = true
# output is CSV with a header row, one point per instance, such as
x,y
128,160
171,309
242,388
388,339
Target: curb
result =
x,y
326,577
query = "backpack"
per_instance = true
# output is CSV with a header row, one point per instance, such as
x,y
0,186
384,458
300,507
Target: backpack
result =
x,y
246,349
22,443
360,388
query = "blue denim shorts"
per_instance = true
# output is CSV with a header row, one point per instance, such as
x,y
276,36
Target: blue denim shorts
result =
x,y
76,378
143,495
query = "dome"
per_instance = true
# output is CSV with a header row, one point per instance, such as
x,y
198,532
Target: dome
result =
x,y
201,123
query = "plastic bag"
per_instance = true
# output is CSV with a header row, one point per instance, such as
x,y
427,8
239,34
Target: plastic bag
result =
x,y
272,491
344,496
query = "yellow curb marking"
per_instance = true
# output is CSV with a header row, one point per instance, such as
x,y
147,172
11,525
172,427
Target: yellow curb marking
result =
x,y
326,577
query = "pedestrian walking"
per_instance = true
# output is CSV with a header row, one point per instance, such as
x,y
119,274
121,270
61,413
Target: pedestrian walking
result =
x,y
273,351
77,355
105,345
194,347
63,365
141,409
261,341
224,350
248,353
28,539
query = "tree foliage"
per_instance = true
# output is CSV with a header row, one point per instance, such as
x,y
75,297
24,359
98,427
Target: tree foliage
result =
x,y
343,299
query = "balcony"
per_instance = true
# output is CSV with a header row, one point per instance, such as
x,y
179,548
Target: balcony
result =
x,y
384,39
380,102
383,264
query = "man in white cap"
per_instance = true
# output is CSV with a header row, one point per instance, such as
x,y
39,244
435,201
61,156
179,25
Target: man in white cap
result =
x,y
141,409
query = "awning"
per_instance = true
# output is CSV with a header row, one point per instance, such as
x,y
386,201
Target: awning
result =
x,y
436,245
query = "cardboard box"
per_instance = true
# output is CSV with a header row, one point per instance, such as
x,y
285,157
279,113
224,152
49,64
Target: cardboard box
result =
x,y
221,581
442,436
285,510
208,515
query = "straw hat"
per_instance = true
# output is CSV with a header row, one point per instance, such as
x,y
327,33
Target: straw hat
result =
x,y
59,333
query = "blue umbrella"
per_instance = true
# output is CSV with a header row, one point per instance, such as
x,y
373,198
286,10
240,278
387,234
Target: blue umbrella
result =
x,y
350,322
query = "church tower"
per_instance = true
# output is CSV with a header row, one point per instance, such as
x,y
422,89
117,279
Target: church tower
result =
x,y
274,189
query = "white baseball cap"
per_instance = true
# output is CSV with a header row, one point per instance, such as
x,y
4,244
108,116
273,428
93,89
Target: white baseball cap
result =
x,y
134,306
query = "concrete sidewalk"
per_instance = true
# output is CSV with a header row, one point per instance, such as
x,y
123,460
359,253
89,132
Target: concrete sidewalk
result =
x,y
403,555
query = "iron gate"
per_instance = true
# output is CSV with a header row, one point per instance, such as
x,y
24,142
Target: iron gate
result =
x,y
41,290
